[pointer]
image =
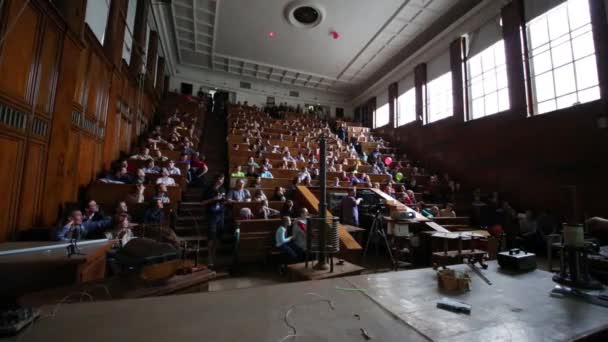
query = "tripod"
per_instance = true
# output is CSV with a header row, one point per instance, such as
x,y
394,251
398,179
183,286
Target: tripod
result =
x,y
377,231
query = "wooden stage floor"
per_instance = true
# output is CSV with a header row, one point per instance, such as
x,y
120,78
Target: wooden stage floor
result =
x,y
396,306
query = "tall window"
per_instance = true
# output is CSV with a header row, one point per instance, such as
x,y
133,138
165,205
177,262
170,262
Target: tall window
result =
x,y
382,116
406,111
439,103
97,18
562,57
487,81
128,41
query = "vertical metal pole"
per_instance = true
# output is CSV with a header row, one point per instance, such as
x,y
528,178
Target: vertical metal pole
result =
x,y
322,258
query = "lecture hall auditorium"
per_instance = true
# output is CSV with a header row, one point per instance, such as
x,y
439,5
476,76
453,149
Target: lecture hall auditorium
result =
x,y
303,170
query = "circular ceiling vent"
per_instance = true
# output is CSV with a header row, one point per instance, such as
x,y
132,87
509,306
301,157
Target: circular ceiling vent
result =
x,y
304,13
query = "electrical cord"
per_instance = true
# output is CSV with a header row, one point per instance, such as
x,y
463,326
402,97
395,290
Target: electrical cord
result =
x,y
291,308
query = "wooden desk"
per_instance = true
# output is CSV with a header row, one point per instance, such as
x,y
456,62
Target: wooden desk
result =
x,y
120,288
39,268
395,306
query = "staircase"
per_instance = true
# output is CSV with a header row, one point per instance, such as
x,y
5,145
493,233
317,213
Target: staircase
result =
x,y
191,225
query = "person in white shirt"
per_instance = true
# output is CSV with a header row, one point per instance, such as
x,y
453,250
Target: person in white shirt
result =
x,y
299,229
151,168
144,154
287,244
166,179
174,170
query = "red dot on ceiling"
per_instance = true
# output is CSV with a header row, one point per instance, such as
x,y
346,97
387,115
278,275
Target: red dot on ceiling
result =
x,y
271,34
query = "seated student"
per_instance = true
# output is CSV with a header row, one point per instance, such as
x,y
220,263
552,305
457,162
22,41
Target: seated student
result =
x,y
287,156
424,210
188,148
92,212
288,209
155,213
235,147
174,171
251,172
120,176
121,209
412,197
162,194
245,214
287,244
77,229
448,211
238,172
266,212
165,178
257,183
151,168
137,195
252,163
401,195
198,169
183,159
304,174
299,229
144,154
140,177
122,229
158,156
259,196
293,165
279,194
267,164
239,193
265,173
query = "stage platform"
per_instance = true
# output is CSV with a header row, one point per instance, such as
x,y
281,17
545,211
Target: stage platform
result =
x,y
396,306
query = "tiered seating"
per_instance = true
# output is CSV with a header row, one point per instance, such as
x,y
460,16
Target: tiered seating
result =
x,y
179,133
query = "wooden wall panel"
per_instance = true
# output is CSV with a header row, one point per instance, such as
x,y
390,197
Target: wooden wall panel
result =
x,y
72,172
18,52
10,149
47,73
81,65
86,160
32,182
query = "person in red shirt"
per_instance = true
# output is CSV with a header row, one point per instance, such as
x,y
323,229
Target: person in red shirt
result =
x,y
198,169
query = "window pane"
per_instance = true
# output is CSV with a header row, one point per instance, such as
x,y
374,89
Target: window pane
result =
x,y
491,103
475,66
501,78
547,106
503,100
586,72
544,87
96,17
578,11
477,88
561,54
542,62
478,109
439,94
499,53
487,59
566,101
407,107
539,34
564,80
569,76
588,95
583,45
558,22
489,82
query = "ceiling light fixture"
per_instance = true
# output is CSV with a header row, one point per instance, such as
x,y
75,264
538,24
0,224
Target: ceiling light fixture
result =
x,y
304,13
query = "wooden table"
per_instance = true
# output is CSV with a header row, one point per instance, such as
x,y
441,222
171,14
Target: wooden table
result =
x,y
37,265
395,306
121,288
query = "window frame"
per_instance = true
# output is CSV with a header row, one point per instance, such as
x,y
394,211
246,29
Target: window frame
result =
x,y
548,47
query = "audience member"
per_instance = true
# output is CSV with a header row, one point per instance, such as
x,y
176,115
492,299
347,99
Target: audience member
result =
x,y
165,178
239,193
287,244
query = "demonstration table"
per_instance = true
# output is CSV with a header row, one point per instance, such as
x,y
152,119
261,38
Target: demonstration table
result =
x,y
395,306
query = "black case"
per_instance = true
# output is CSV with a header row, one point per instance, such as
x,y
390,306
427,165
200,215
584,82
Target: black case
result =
x,y
517,260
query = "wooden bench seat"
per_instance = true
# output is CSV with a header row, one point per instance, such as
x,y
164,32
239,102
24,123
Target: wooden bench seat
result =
x,y
256,238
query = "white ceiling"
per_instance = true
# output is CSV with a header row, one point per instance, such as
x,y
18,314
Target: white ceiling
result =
x,y
232,36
